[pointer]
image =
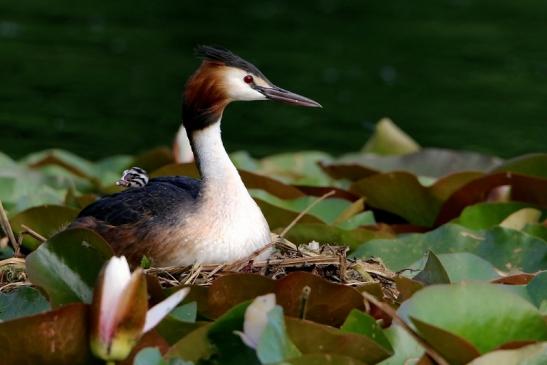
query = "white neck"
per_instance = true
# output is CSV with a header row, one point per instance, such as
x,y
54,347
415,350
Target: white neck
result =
x,y
226,224
214,162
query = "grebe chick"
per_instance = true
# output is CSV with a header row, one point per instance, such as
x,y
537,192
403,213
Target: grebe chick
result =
x,y
134,177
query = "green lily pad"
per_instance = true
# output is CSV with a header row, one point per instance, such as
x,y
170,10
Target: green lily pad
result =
x,y
296,168
279,218
302,233
109,170
180,322
455,349
535,354
483,314
537,290
534,164
433,271
506,249
45,220
486,215
67,265
230,347
326,211
521,218
274,344
21,302
152,356
405,346
154,159
67,160
400,193
463,266
403,194
194,346
363,324
389,139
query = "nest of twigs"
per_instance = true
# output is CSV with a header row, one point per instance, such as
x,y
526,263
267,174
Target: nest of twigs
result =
x,y
327,261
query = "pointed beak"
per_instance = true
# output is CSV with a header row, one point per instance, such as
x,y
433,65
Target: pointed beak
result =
x,y
278,94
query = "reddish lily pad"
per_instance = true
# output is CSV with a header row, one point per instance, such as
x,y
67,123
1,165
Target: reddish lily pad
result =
x,y
323,359
320,306
311,337
532,190
53,338
230,290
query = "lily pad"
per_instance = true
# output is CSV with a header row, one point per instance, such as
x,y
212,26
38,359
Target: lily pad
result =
x,y
483,314
537,290
230,347
506,249
45,220
59,337
67,265
194,346
21,302
534,164
230,290
527,189
311,337
521,218
433,271
323,359
431,162
403,194
327,210
389,139
363,324
275,345
405,346
463,266
303,233
486,215
535,354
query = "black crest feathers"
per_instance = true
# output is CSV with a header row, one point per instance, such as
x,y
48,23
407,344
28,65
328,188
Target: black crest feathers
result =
x,y
227,57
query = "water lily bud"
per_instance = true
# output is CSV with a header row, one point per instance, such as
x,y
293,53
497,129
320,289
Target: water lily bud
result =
x,y
256,319
118,311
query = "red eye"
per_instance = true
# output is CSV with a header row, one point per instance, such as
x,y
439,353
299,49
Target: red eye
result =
x,y
248,79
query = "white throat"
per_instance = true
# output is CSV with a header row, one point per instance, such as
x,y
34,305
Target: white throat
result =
x,y
214,162
227,225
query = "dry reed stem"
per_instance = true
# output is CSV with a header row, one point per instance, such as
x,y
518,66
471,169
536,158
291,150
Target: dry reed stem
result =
x,y
33,233
4,222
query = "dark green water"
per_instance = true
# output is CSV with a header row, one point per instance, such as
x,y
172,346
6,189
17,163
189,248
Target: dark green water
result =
x,y
101,78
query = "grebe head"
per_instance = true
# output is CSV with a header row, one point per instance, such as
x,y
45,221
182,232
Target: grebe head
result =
x,y
224,77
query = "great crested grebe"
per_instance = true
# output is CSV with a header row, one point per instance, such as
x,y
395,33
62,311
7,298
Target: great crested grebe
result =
x,y
178,220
